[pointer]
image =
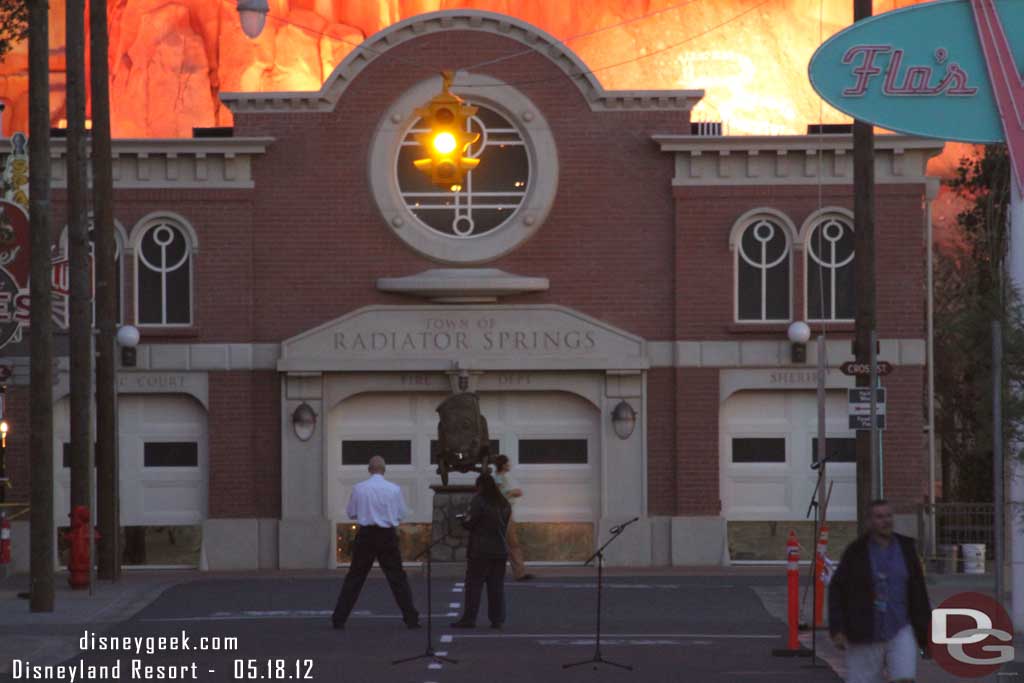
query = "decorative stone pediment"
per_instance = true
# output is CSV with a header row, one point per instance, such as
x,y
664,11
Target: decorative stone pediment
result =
x,y
463,285
404,338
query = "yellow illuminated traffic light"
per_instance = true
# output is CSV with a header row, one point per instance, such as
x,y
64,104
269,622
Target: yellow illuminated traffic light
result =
x,y
448,140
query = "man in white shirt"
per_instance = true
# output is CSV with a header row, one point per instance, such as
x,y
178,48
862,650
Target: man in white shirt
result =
x,y
378,507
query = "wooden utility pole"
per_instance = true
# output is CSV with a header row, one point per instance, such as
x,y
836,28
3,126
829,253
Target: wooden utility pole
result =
x,y
864,248
80,332
41,539
108,505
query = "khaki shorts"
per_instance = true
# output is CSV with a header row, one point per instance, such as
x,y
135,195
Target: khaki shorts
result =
x,y
893,660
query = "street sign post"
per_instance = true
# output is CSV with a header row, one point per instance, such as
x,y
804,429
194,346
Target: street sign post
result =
x,y
859,408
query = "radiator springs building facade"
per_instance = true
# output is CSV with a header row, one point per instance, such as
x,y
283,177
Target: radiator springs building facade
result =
x,y
306,299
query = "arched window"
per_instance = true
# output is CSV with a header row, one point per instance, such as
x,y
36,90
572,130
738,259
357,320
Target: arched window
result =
x,y
763,248
163,274
120,240
831,292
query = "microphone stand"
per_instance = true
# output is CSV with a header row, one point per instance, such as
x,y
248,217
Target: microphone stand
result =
x,y
819,508
599,555
429,653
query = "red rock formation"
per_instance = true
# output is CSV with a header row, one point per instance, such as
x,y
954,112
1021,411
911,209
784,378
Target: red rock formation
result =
x,y
170,58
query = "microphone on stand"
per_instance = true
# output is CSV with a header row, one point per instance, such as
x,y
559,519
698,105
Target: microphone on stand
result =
x,y
618,528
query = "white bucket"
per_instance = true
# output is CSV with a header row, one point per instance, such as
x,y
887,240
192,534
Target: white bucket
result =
x,y
974,557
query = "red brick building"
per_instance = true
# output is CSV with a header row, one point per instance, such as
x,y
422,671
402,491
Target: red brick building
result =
x,y
603,253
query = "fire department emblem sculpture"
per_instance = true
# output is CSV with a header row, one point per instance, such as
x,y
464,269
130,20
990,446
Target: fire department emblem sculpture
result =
x,y
464,443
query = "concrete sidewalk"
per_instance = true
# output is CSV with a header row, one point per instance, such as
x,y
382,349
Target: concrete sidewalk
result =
x,y
52,637
940,587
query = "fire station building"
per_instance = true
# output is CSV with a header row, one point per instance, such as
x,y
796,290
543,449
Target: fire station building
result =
x,y
614,283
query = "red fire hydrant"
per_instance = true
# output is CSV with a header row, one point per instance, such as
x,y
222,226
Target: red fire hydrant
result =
x,y
78,565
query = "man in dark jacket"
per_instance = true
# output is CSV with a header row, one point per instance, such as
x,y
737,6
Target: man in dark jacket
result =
x,y
487,520
878,609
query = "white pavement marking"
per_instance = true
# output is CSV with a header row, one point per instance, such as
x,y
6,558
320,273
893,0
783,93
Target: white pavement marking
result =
x,y
433,665
563,636
446,639
456,590
281,614
452,614
441,653
641,586
454,605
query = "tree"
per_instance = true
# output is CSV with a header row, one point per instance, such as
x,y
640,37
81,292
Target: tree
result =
x,y
971,291
13,24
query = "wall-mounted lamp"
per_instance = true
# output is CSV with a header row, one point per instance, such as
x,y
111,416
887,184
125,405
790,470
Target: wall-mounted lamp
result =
x,y
304,422
799,334
253,15
623,420
128,338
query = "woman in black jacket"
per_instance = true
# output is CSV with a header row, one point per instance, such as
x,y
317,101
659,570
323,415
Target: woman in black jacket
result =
x,y
486,520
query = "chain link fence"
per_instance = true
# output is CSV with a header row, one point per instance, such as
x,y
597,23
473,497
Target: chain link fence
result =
x,y
957,538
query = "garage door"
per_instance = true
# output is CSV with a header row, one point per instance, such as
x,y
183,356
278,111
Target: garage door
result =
x,y
163,460
552,439
766,443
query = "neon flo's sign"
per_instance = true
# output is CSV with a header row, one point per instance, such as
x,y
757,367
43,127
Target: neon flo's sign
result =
x,y
943,69
914,80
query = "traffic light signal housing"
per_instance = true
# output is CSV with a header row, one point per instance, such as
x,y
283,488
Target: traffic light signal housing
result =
x,y
448,139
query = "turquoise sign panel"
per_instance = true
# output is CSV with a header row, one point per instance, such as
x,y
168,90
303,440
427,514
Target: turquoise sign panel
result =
x,y
918,70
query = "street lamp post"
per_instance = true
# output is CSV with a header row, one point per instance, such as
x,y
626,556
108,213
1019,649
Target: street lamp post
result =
x,y
127,338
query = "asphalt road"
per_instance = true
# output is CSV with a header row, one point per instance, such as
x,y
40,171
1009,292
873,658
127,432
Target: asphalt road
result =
x,y
702,629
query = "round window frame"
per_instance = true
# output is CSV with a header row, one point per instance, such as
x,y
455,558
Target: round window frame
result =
x,y
541,190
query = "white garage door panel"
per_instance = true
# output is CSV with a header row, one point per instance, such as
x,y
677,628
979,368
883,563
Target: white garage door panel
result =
x,y
767,495
782,490
552,492
149,495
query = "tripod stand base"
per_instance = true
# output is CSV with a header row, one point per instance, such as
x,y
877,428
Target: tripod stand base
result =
x,y
429,654
786,652
595,660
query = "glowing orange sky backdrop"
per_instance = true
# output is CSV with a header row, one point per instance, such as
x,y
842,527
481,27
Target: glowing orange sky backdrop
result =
x,y
170,58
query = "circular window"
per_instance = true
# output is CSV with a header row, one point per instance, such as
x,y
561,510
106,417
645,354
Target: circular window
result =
x,y
490,194
501,203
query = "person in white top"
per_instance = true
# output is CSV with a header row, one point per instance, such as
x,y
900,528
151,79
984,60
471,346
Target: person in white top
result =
x,y
512,493
377,506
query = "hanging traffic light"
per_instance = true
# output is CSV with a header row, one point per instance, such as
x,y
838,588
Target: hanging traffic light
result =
x,y
448,139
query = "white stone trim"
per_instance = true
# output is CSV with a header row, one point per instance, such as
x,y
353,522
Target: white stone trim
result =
x,y
660,354
741,224
804,233
794,159
420,25
199,163
772,354
542,186
463,285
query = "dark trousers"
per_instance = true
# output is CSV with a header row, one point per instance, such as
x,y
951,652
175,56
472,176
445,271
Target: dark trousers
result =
x,y
492,572
381,544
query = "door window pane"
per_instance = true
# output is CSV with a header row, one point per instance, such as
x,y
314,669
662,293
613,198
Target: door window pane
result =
x,y
397,452
758,450
171,454
552,451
